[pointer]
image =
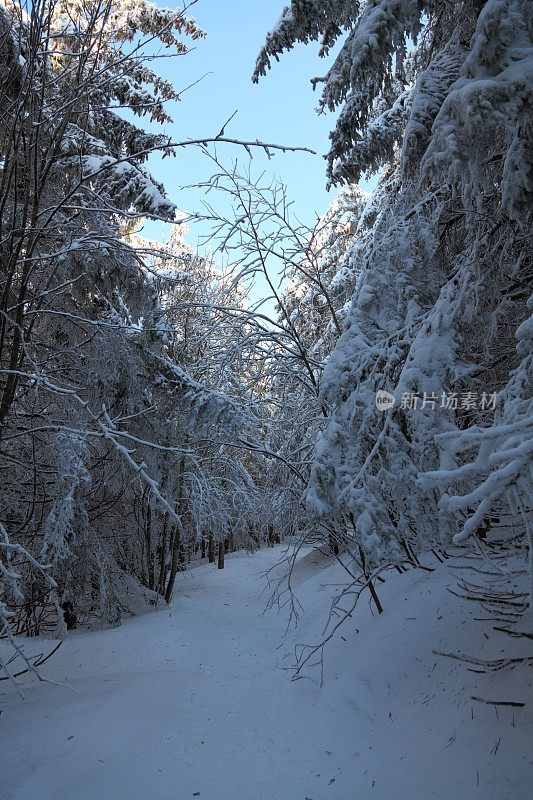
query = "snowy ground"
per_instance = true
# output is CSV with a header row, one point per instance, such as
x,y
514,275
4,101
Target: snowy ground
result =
x,y
196,702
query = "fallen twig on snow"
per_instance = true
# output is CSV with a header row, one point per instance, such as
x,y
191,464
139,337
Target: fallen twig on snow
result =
x,y
498,702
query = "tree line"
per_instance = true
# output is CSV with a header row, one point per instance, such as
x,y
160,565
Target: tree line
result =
x,y
149,412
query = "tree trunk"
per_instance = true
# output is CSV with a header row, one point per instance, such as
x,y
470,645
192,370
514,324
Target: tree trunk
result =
x,y
178,564
371,586
333,545
173,569
221,551
165,548
150,544
211,549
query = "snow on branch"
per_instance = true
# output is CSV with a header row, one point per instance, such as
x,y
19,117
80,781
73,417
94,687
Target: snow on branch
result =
x,y
211,407
10,586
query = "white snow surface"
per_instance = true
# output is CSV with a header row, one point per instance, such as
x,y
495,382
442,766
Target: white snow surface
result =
x,y
196,701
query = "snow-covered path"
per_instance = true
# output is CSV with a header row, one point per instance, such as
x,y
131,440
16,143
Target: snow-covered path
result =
x,y
195,703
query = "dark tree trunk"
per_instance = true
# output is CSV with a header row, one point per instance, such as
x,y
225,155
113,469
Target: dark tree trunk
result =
x,y
167,592
221,551
371,586
272,537
333,546
178,564
165,547
409,553
150,547
211,549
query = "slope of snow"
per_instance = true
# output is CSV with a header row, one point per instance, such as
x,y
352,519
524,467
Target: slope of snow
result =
x,y
198,702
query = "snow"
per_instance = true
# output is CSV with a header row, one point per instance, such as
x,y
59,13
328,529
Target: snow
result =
x,y
197,700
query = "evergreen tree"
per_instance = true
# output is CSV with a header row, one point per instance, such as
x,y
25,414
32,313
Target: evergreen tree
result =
x,y
439,98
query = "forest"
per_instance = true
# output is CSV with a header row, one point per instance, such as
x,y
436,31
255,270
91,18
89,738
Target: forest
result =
x,y
286,429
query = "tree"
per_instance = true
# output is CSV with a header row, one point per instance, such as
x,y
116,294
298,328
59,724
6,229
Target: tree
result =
x,y
308,275
113,456
71,176
439,99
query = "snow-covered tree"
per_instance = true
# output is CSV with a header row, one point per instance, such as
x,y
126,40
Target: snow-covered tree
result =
x,y
72,175
321,283
439,98
115,454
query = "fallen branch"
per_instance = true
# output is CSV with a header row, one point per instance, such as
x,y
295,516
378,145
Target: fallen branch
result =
x,y
39,661
498,702
489,666
514,634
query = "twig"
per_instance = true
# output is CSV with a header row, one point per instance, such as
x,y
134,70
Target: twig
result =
x,y
492,666
498,702
514,634
37,663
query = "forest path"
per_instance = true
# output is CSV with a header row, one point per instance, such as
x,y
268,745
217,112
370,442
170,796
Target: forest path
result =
x,y
197,702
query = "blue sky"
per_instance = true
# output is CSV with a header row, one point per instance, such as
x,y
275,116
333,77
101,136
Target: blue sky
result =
x,y
280,109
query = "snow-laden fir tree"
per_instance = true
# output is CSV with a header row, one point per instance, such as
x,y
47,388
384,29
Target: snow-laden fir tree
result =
x,y
439,97
109,474
72,175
